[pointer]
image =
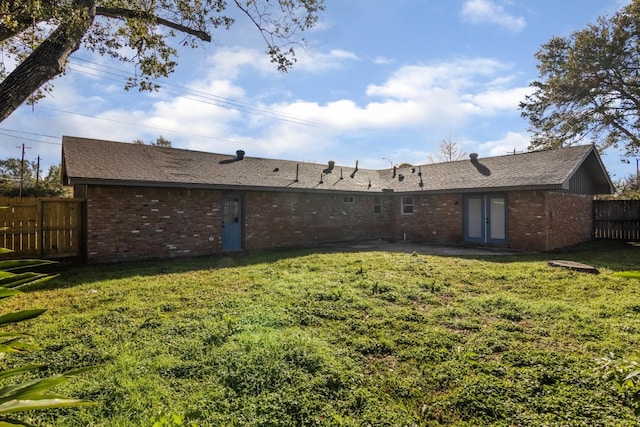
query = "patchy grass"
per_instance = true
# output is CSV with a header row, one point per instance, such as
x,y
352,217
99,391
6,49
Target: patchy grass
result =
x,y
296,338
629,274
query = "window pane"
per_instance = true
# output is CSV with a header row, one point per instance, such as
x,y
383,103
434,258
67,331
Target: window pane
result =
x,y
498,218
231,211
407,205
475,220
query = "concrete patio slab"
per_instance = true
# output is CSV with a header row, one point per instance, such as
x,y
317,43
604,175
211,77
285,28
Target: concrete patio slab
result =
x,y
420,248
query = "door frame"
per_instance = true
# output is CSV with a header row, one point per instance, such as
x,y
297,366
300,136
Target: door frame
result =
x,y
485,219
231,232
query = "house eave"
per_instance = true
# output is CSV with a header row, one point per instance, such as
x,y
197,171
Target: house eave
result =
x,y
318,189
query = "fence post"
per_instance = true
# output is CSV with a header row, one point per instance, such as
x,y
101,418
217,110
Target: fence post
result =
x,y
39,227
594,227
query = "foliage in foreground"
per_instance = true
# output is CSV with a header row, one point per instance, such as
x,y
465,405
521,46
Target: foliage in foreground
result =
x,y
40,36
625,374
587,88
343,339
30,394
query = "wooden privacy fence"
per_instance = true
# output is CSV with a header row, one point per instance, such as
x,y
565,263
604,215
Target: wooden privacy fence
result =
x,y
616,219
42,227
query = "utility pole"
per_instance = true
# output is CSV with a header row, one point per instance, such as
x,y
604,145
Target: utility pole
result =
x,y
38,173
22,167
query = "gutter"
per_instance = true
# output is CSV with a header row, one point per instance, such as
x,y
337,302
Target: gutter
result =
x,y
372,190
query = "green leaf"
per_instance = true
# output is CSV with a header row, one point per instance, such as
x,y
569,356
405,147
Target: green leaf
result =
x,y
33,395
31,390
10,280
13,335
14,346
42,278
5,293
19,370
19,316
14,264
18,405
8,422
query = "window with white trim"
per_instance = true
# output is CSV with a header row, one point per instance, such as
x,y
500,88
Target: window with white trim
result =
x,y
407,205
349,199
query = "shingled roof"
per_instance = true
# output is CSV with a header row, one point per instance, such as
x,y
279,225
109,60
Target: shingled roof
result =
x,y
92,161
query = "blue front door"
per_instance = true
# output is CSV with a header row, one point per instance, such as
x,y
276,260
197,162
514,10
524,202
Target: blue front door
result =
x,y
485,219
231,223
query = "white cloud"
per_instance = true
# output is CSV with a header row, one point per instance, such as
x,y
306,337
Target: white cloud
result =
x,y
420,80
228,63
495,100
510,142
381,60
414,108
318,62
448,92
488,12
425,102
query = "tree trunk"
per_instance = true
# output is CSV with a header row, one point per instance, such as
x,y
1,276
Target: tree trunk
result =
x,y
47,60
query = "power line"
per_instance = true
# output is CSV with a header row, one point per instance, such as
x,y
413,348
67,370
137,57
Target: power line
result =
x,y
21,138
120,75
30,133
200,96
136,124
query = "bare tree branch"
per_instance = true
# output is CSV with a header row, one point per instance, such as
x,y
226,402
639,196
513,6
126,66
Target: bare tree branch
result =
x,y
116,12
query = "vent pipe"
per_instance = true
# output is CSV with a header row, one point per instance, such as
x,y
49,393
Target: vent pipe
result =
x,y
353,174
473,157
330,167
239,155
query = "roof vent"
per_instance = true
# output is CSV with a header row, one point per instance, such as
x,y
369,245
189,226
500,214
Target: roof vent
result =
x,y
239,155
353,174
330,167
473,157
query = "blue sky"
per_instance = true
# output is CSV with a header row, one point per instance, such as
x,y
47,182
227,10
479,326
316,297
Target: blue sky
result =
x,y
379,82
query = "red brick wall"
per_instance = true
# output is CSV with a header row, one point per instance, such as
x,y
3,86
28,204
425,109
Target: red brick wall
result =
x,y
290,219
526,220
570,219
546,220
435,218
126,223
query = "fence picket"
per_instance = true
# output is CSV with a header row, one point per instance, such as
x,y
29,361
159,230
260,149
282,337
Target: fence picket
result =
x,y
41,227
616,219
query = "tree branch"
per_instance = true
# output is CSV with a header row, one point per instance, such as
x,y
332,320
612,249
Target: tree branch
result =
x,y
117,12
47,60
21,24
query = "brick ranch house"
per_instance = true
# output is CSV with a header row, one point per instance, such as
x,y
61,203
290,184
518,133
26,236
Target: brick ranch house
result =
x,y
149,202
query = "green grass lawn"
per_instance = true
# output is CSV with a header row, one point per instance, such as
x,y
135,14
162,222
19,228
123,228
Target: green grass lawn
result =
x,y
297,338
